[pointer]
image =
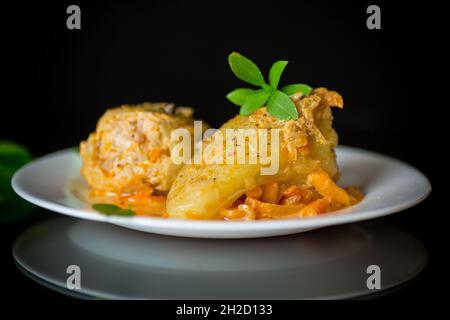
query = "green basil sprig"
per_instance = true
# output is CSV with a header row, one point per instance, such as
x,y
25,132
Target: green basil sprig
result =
x,y
278,102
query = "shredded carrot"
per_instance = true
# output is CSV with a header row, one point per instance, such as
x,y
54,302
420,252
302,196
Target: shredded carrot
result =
x,y
268,201
270,192
146,205
293,190
267,210
242,212
294,199
355,193
255,193
316,207
304,151
322,182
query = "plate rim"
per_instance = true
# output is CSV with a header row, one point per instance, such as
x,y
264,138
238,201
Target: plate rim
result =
x,y
331,218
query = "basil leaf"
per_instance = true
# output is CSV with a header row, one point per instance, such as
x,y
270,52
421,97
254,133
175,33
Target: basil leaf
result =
x,y
296,88
254,102
275,73
281,106
110,209
245,69
238,96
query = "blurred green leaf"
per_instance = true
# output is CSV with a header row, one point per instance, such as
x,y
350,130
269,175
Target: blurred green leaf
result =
x,y
12,157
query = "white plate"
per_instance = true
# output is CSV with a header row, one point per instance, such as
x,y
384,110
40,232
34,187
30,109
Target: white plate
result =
x,y
389,186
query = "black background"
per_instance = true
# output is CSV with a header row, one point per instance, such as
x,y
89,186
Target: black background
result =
x,y
60,81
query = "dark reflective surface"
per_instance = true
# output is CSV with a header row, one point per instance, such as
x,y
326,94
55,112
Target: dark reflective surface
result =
x,y
119,263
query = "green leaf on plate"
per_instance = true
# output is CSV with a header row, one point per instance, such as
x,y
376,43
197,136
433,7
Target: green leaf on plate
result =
x,y
110,209
275,73
254,101
281,106
296,88
238,96
245,69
